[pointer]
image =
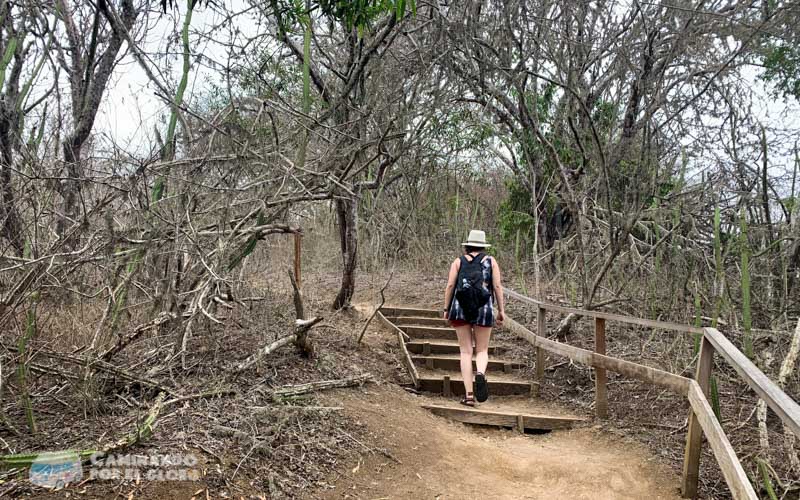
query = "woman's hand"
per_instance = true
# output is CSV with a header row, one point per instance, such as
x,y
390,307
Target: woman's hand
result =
x,y
444,314
501,316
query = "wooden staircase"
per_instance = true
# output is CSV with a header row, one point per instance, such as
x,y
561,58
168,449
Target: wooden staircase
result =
x,y
432,356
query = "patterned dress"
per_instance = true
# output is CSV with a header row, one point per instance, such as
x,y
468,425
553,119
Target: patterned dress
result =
x,y
486,313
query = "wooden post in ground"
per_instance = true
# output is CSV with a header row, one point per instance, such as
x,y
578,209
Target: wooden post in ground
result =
x,y
298,237
694,435
600,390
541,331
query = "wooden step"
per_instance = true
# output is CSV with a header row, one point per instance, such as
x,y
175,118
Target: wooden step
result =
x,y
454,363
429,332
440,346
411,311
439,384
519,421
418,321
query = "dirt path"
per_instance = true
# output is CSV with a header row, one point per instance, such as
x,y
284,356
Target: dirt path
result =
x,y
440,459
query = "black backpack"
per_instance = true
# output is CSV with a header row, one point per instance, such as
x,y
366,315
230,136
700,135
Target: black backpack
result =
x,y
470,292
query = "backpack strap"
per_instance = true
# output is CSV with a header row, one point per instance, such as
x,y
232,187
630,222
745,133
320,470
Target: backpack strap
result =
x,y
478,257
487,257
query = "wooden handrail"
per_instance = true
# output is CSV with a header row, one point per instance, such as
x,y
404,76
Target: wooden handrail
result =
x,y
694,428
783,405
632,320
701,416
729,464
675,383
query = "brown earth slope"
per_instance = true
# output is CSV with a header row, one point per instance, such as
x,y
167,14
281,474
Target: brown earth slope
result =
x,y
431,457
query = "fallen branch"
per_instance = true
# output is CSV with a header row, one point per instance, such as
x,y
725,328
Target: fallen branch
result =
x,y
298,390
143,431
565,326
268,410
262,446
49,370
383,301
302,326
100,365
266,350
225,431
202,395
124,375
137,332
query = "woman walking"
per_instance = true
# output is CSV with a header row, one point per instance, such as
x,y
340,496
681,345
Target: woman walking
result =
x,y
473,316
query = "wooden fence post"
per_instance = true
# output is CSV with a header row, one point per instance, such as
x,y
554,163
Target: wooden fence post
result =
x,y
694,435
298,237
541,331
600,389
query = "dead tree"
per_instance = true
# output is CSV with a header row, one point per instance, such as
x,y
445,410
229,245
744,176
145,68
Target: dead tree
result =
x,y
89,67
588,96
341,74
25,44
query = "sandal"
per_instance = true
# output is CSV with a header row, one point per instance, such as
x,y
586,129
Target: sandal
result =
x,y
481,387
468,400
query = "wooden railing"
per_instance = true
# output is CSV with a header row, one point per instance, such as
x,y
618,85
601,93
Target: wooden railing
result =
x,y
701,416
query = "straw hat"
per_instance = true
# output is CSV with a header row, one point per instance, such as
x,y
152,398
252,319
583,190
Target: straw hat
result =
x,y
476,239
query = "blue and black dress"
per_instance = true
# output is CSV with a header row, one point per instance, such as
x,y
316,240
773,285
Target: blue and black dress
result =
x,y
486,314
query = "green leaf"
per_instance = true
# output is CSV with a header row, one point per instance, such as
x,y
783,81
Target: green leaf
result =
x,y
765,478
243,252
717,265
782,68
715,399
698,320
745,281
248,246
173,119
158,189
9,53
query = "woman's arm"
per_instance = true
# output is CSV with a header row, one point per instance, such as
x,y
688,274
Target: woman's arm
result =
x,y
451,285
497,285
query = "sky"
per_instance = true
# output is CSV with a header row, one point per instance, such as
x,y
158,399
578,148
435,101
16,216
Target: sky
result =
x,y
131,110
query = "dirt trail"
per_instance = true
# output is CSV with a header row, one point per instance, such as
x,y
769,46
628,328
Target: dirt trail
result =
x,y
441,459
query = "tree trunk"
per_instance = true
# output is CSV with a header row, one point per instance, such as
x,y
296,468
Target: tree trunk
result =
x,y
10,225
348,240
11,228
89,74
787,368
71,187
565,326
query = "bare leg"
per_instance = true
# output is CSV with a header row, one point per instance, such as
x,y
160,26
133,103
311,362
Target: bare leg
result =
x,y
465,345
482,334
